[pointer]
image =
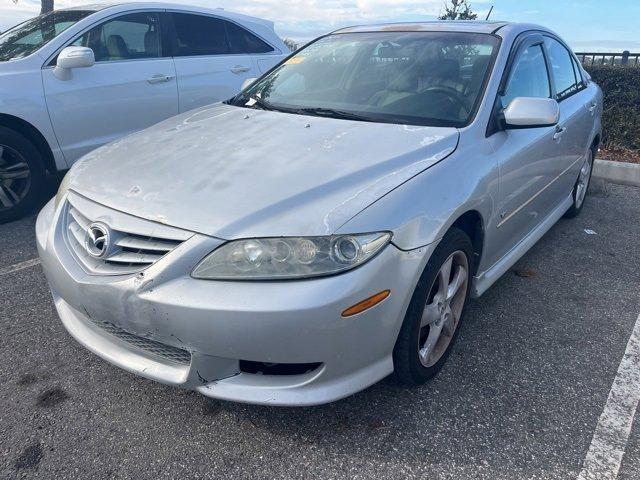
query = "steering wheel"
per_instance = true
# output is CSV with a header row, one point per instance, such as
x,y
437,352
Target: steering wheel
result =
x,y
452,94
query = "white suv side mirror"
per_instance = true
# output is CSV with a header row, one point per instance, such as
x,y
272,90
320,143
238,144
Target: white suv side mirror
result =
x,y
530,112
73,57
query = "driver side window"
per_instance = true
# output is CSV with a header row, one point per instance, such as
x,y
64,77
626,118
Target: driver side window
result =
x,y
129,37
529,77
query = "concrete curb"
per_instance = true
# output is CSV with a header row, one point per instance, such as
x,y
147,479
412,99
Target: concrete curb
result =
x,y
617,172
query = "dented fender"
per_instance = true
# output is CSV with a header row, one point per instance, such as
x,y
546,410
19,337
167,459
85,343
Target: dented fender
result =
x,y
420,211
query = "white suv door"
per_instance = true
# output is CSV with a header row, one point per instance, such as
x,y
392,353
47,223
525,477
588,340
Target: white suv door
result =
x,y
131,86
213,57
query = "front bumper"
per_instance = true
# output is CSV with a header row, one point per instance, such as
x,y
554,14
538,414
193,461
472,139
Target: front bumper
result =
x,y
221,324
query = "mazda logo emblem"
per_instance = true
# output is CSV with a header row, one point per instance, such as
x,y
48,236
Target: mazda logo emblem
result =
x,y
96,241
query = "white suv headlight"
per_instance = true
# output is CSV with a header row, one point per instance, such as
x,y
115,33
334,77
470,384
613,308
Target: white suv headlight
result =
x,y
290,257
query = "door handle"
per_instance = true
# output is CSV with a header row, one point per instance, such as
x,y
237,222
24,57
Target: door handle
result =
x,y
240,69
559,133
159,79
593,107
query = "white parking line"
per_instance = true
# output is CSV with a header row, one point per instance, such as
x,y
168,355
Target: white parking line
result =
x,y
614,426
19,266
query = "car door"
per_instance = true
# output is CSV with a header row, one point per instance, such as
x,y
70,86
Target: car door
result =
x,y
574,124
211,58
131,86
527,157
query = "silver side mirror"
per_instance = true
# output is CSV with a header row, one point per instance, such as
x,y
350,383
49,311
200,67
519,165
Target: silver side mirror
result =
x,y
529,112
73,57
247,83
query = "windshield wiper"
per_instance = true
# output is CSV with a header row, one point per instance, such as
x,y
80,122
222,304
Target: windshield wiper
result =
x,y
333,113
255,101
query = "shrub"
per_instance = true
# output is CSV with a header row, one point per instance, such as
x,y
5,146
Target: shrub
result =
x,y
621,117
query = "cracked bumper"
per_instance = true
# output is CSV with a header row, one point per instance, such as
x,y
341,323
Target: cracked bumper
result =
x,y
222,323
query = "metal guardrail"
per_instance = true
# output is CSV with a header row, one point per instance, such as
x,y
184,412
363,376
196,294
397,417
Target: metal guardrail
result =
x,y
599,58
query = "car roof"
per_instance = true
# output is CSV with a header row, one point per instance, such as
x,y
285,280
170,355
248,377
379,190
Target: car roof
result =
x,y
170,6
467,26
463,26
91,7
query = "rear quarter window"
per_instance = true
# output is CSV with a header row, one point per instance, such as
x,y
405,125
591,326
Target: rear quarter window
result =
x,y
243,41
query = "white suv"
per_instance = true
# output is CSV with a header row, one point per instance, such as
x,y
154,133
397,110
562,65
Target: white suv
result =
x,y
73,80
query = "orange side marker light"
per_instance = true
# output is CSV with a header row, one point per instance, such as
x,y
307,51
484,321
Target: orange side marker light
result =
x,y
366,304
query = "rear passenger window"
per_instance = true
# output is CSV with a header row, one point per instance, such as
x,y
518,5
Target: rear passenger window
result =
x,y
529,77
199,35
243,41
562,67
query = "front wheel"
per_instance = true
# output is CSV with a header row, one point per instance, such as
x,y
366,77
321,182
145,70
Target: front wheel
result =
x,y
581,187
435,312
21,175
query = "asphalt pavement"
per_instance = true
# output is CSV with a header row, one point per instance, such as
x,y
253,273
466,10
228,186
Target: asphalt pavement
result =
x,y
520,397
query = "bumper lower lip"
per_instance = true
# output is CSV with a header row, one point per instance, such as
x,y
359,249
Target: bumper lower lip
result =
x,y
222,323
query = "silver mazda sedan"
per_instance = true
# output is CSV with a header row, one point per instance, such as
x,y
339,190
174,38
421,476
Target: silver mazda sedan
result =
x,y
327,226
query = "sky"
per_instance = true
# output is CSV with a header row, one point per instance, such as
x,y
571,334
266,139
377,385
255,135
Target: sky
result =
x,y
587,25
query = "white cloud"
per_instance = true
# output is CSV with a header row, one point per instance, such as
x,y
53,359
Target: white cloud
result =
x,y
11,13
304,20
292,17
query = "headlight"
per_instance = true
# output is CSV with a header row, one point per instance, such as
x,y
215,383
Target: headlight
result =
x,y
63,189
290,257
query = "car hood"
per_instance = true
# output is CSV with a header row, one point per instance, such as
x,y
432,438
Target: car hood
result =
x,y
233,172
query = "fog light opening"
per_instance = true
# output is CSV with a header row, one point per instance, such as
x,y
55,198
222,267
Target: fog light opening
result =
x,y
277,369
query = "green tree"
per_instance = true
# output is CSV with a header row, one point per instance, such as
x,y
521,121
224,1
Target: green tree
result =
x,y
292,44
457,10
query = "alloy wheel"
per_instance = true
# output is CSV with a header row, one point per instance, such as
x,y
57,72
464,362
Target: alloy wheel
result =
x,y
583,180
15,177
443,309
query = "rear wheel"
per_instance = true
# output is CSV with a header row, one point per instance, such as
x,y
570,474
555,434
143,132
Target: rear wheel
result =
x,y
582,186
21,175
436,310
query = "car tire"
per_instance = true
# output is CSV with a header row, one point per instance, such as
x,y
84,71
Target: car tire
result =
x,y
414,362
581,187
22,178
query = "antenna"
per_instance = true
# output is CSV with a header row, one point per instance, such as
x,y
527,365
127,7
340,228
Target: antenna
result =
x,y
489,14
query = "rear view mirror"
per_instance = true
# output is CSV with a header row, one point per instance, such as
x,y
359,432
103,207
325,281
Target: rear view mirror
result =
x,y
529,112
73,57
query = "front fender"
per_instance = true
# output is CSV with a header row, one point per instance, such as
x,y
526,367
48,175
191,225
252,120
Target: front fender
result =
x,y
22,98
420,211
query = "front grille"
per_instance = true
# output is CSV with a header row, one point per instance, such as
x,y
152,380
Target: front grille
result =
x,y
128,252
167,352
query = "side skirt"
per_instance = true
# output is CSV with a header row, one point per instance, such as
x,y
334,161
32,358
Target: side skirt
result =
x,y
487,278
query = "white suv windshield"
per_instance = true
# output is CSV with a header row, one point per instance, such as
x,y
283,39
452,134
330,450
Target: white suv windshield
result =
x,y
418,78
26,38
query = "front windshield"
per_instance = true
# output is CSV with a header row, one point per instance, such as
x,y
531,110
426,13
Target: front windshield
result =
x,y
26,38
417,78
